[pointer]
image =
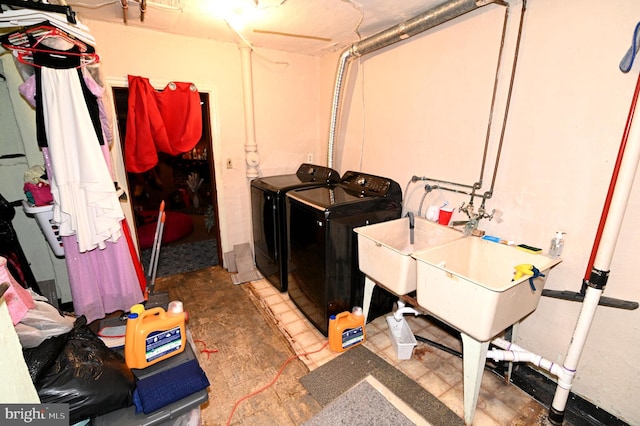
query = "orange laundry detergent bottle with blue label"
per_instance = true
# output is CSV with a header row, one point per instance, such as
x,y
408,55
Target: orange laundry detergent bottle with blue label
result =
x,y
346,329
153,335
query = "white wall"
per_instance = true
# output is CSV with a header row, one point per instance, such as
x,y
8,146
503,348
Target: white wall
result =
x,y
421,108
284,85
567,114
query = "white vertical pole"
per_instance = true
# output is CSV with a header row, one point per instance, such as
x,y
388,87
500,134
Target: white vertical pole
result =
x,y
250,145
600,271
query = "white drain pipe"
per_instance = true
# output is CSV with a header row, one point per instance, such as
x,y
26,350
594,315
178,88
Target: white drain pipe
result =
x,y
250,146
600,272
514,353
595,285
427,20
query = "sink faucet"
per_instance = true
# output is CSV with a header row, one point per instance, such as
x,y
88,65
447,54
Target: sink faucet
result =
x,y
471,224
412,225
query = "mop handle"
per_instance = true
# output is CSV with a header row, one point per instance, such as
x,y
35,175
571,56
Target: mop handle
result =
x,y
155,237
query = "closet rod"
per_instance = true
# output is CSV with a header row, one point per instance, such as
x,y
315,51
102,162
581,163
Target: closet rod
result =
x,y
65,10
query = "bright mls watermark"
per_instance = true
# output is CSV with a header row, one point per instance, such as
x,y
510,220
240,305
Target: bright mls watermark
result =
x,y
34,414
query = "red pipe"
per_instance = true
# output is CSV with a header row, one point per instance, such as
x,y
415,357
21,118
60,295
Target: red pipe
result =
x,y
134,256
612,184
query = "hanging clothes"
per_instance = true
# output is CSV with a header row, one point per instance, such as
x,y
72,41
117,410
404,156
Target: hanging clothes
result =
x,y
101,281
28,91
67,116
72,138
179,105
168,121
145,127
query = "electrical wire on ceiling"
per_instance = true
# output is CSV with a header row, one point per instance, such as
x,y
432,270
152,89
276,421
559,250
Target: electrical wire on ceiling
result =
x,y
250,46
281,33
263,7
356,30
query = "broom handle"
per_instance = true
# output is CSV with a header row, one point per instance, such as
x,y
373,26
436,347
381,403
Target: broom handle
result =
x,y
155,264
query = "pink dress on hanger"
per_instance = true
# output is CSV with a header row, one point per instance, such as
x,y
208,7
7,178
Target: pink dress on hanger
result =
x,y
102,280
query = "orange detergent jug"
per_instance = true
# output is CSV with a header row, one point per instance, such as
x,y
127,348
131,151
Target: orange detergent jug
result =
x,y
153,335
346,330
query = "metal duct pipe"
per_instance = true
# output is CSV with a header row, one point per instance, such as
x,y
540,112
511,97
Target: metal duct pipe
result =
x,y
427,20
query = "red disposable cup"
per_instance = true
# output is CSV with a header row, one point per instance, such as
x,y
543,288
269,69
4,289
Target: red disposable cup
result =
x,y
444,216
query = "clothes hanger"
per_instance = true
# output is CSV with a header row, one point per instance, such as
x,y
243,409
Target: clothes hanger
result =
x,y
46,30
27,41
31,36
25,17
85,59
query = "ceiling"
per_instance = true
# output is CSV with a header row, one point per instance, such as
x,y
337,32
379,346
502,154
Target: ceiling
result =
x,y
312,27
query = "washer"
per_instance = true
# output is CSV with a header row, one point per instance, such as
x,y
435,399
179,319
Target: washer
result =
x,y
324,278
268,205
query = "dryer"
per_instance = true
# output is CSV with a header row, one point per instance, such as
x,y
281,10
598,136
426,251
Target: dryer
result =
x,y
268,205
324,278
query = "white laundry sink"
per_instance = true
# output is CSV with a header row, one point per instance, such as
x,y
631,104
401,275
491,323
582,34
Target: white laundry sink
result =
x,y
468,284
384,250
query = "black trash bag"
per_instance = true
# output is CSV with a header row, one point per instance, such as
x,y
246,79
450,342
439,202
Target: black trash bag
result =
x,y
87,375
40,358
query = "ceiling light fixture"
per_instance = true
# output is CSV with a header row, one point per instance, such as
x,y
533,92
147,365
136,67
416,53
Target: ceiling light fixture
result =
x,y
238,13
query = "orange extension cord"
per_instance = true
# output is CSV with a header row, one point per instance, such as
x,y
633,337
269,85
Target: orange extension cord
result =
x,y
272,382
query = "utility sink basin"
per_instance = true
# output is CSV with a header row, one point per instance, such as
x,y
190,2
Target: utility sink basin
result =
x,y
468,284
384,250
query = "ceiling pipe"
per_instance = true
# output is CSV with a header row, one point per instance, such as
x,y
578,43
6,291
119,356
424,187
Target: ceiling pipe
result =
x,y
143,9
427,20
125,8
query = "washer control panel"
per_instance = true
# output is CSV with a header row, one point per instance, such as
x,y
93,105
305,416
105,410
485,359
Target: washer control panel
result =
x,y
313,173
370,185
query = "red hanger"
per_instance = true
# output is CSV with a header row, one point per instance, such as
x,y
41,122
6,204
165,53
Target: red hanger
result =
x,y
23,43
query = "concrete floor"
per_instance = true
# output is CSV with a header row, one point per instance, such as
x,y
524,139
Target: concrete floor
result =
x,y
249,352
254,330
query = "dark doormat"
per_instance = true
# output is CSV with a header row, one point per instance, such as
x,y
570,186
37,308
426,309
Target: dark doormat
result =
x,y
338,376
182,258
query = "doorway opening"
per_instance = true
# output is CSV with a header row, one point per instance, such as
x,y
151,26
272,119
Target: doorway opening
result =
x,y
191,234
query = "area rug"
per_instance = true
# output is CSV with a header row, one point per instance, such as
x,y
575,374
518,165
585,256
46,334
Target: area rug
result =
x,y
182,258
339,380
367,403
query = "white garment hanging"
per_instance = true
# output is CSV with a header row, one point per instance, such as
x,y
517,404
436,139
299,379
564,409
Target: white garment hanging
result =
x,y
87,204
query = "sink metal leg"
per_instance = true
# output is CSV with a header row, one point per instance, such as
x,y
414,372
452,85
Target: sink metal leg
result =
x,y
368,294
474,356
511,335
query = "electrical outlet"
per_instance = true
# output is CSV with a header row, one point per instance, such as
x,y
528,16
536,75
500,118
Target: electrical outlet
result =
x,y
310,157
229,164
